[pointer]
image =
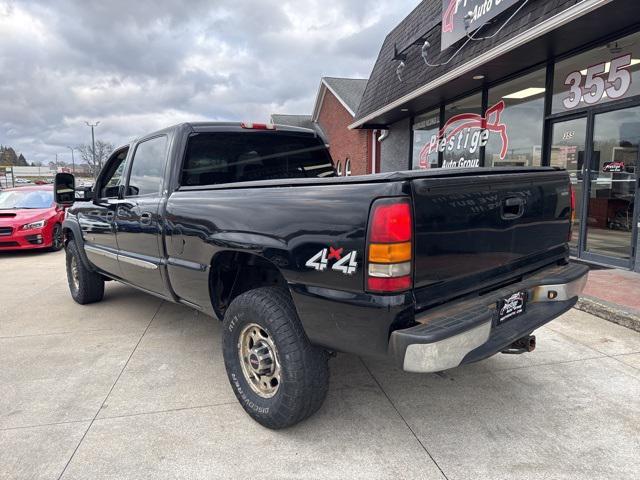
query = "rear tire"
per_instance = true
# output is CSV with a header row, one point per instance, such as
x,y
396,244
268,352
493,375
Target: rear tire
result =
x,y
278,377
85,286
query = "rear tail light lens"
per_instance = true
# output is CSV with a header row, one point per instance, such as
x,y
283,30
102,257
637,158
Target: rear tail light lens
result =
x,y
386,285
390,246
391,222
572,194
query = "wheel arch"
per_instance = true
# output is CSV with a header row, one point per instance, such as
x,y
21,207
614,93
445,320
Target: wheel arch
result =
x,y
233,273
72,231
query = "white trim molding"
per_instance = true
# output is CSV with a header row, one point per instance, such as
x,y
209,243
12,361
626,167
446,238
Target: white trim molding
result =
x,y
557,21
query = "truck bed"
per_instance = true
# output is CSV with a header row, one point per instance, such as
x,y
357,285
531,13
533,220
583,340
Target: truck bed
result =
x,y
399,176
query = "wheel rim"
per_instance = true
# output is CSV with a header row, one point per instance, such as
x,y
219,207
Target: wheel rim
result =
x,y
75,273
57,237
259,360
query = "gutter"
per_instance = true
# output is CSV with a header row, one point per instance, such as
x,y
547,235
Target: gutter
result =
x,y
560,19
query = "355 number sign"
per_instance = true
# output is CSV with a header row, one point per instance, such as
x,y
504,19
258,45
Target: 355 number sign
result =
x,y
590,86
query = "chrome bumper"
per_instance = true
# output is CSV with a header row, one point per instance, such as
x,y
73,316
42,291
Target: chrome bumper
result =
x,y
416,354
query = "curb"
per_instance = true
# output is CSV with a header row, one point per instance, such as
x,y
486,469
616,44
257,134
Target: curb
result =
x,y
609,311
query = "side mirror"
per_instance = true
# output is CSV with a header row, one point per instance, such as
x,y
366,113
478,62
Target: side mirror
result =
x,y
64,187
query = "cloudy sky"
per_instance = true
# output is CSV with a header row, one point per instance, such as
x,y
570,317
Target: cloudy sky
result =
x,y
139,65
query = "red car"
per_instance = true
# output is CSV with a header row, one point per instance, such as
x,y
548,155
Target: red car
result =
x,y
29,218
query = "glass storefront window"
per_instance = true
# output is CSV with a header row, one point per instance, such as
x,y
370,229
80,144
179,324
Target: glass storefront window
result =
x,y
606,73
517,109
425,132
462,135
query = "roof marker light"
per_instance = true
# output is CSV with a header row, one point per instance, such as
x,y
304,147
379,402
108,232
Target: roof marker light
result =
x,y
258,126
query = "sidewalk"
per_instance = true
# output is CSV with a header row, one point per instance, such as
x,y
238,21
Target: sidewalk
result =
x,y
613,295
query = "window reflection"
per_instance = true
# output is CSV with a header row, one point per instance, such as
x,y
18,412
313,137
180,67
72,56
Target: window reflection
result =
x,y
523,116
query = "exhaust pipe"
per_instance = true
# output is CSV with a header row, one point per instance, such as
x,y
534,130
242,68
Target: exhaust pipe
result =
x,y
522,345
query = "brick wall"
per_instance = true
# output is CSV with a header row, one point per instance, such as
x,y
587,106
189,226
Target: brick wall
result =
x,y
344,143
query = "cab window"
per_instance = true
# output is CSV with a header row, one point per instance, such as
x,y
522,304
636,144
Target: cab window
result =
x,y
228,157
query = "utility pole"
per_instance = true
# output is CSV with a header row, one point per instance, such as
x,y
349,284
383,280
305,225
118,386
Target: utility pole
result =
x,y
73,162
93,145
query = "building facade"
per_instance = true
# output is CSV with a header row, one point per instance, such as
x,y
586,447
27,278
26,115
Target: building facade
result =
x,y
354,152
521,83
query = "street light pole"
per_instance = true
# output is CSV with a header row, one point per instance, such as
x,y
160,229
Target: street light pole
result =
x,y
93,143
73,161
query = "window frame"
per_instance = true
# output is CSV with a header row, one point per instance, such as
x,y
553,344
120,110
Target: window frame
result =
x,y
100,181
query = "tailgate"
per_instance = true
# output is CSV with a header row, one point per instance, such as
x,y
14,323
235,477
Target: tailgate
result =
x,y
475,231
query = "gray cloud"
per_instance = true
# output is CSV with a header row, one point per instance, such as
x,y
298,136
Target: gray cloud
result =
x,y
141,65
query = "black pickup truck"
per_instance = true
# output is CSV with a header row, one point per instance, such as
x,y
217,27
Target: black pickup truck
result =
x,y
249,223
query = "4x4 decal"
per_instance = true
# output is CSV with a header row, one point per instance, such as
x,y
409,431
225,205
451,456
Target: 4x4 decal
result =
x,y
346,264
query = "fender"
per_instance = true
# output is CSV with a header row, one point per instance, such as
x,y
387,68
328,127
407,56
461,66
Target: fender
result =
x,y
74,227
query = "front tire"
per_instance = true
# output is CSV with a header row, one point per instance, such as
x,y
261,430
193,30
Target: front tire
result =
x,y
57,238
278,377
85,286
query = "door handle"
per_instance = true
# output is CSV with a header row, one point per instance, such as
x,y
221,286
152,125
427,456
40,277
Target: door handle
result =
x,y
145,218
512,208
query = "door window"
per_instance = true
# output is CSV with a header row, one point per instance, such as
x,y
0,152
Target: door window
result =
x,y
568,146
613,181
147,170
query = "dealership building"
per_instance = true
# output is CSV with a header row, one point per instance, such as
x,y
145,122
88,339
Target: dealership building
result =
x,y
520,83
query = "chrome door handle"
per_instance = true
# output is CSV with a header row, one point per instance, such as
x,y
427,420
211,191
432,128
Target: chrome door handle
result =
x,y
145,218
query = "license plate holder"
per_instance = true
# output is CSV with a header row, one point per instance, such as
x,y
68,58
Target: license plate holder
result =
x,y
512,306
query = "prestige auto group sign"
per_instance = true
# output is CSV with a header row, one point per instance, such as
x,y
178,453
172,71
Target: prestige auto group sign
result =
x,y
481,11
462,136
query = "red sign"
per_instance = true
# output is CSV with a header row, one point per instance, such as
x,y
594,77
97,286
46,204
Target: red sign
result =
x,y
467,132
613,167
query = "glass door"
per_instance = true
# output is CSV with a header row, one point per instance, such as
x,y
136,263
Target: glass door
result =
x,y
612,187
568,151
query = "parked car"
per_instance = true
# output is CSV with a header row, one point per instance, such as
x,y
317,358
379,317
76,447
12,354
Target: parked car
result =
x,y
250,224
30,219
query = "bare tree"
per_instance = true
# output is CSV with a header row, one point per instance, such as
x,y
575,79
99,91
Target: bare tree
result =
x,y
103,150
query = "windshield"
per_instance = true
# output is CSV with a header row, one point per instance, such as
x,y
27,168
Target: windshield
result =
x,y
16,199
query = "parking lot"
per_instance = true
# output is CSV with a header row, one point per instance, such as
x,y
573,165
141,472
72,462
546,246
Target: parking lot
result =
x,y
135,387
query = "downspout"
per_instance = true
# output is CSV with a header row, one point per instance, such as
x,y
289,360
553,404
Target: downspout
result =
x,y
373,151
381,138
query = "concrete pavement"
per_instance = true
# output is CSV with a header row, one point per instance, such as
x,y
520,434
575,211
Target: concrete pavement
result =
x,y
135,388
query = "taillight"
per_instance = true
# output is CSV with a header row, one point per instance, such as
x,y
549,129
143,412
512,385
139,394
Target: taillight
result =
x,y
390,247
572,194
258,126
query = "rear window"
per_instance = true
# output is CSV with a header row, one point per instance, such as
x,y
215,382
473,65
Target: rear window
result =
x,y
227,157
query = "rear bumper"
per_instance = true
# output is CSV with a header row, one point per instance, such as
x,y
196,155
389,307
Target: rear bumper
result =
x,y
467,331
